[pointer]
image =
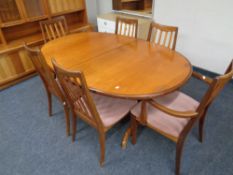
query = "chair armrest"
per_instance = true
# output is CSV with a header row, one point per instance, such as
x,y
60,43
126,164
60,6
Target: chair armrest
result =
x,y
202,77
178,114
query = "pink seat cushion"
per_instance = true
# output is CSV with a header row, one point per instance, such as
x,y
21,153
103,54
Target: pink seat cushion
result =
x,y
169,124
111,110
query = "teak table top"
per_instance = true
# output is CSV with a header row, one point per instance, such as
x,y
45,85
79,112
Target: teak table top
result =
x,y
120,66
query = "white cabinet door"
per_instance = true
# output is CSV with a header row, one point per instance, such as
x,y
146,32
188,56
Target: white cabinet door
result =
x,y
106,26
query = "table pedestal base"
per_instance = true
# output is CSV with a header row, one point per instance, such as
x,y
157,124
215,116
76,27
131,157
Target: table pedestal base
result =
x,y
126,138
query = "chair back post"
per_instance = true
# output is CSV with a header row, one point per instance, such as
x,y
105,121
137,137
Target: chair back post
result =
x,y
54,28
46,74
230,67
77,94
215,88
40,64
163,35
126,27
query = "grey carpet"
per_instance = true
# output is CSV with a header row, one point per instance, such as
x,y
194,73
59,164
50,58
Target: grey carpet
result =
x,y
31,143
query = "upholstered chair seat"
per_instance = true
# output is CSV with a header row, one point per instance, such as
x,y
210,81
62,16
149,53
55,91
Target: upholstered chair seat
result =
x,y
111,110
164,122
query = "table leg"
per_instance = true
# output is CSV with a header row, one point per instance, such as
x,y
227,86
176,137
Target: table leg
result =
x,y
126,138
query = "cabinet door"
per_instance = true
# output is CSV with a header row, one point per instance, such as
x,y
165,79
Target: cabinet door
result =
x,y
34,8
106,26
62,6
9,11
13,66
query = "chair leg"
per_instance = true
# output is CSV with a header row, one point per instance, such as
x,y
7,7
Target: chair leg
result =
x,y
49,95
179,151
201,126
201,129
102,148
74,126
180,143
67,117
134,126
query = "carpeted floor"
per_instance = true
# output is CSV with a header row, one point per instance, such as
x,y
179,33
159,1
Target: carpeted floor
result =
x,y
31,143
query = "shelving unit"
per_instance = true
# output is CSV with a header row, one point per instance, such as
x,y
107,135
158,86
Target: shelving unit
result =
x,y
132,4
19,23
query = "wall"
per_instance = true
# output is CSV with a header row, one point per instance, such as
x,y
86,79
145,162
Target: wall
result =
x,y
95,7
92,11
205,30
104,6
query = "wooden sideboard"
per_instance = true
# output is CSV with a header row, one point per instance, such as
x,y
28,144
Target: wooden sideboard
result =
x,y
107,23
19,23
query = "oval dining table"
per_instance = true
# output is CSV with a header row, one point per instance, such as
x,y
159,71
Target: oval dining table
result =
x,y
120,66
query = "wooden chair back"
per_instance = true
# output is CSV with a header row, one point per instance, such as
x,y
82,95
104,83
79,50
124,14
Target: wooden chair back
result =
x,y
127,27
54,28
76,91
215,88
163,35
45,73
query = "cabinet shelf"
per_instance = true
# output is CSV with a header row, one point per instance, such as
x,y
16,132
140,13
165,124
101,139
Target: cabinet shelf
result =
x,y
125,1
141,5
15,23
36,39
67,12
38,18
18,43
12,23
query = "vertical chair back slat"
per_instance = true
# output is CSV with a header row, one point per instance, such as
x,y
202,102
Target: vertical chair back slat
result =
x,y
75,88
57,30
54,28
163,35
126,27
62,28
52,31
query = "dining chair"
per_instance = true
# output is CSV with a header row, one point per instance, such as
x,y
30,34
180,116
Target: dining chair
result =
x,y
127,27
100,112
54,28
50,82
163,35
174,115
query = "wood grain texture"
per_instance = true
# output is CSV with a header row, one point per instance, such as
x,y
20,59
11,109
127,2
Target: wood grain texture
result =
x,y
54,28
14,66
8,11
34,8
19,23
57,6
121,66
